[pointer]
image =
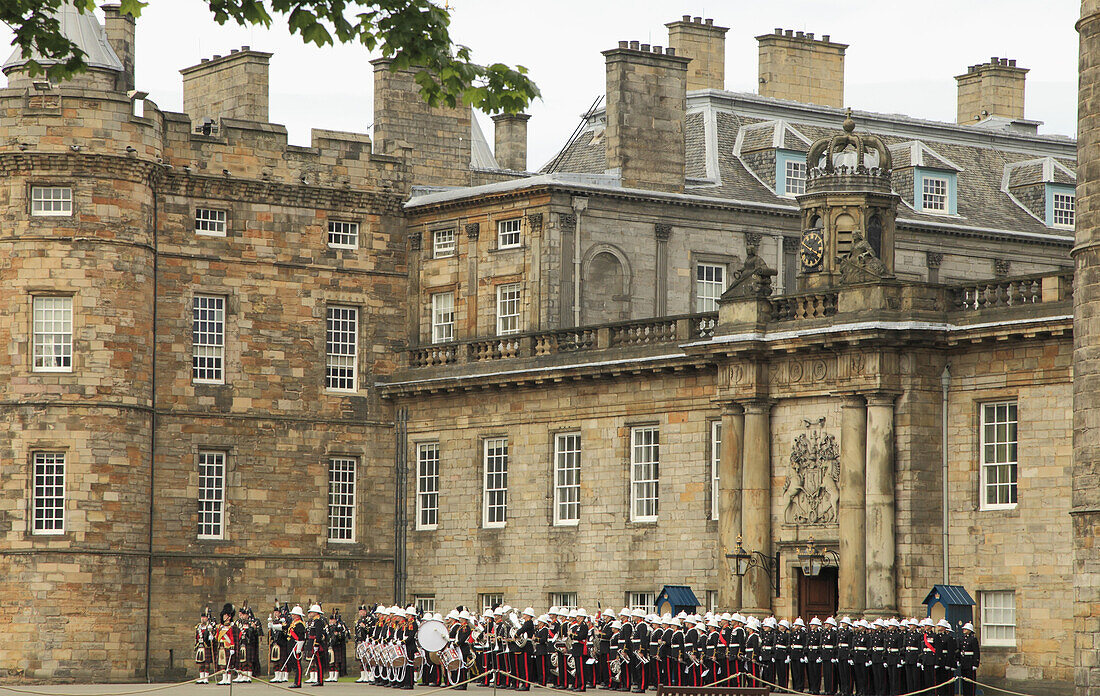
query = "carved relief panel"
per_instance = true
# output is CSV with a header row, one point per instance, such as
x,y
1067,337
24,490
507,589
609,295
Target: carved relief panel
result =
x,y
812,493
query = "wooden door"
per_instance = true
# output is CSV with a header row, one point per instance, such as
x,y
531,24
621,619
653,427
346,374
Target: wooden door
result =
x,y
817,596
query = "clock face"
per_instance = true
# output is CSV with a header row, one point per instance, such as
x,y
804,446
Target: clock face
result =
x,y
812,249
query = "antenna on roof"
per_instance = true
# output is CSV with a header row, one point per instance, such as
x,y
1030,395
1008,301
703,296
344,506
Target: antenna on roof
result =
x,y
576,134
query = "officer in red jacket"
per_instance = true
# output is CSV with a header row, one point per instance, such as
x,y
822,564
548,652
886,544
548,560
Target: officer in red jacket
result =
x,y
296,638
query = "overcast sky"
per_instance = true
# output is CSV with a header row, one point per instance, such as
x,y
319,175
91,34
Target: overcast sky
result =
x,y
902,56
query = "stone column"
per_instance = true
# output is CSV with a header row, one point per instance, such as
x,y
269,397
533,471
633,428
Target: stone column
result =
x,y
881,570
756,496
660,301
729,501
1086,364
853,486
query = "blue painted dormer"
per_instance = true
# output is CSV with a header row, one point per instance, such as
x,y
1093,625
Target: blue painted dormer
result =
x,y
790,172
1061,206
935,191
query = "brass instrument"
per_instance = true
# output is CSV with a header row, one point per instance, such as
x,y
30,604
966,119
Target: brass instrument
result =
x,y
520,641
641,656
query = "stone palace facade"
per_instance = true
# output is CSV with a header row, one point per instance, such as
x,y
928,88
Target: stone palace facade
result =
x,y
408,368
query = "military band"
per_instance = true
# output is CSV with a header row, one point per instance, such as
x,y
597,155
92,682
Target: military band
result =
x,y
568,649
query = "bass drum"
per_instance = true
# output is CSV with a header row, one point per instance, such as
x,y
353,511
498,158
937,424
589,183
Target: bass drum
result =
x,y
432,636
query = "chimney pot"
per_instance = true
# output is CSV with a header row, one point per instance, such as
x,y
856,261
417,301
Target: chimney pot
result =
x,y
233,51
246,48
624,44
800,34
810,35
216,56
984,91
710,22
825,38
645,48
789,32
634,45
670,51
697,20
808,72
658,49
205,60
1012,63
779,31
686,18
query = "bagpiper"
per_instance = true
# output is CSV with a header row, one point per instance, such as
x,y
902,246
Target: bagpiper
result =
x,y
278,654
204,646
338,641
227,641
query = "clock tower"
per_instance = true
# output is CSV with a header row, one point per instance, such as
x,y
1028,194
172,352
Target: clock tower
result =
x,y
848,211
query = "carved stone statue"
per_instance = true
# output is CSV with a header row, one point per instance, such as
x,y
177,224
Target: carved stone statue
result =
x,y
812,493
861,263
754,278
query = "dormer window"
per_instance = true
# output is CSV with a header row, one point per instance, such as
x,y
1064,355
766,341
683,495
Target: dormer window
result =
x,y
1061,206
935,192
790,173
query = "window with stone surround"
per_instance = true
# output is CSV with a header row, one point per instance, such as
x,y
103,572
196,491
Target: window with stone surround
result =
x,y
51,201
565,601
424,603
645,463
208,339
508,309
427,485
341,499
341,348
343,235
508,233
712,600
211,495
443,244
48,496
715,465
567,479
443,317
495,513
642,600
490,600
998,617
52,341
998,455
794,181
710,283
210,222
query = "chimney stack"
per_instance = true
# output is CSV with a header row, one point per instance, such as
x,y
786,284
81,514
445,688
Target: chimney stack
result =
x,y
646,102
120,34
705,44
995,88
510,133
233,86
800,68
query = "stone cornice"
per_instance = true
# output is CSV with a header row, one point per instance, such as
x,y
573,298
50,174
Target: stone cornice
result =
x,y
279,193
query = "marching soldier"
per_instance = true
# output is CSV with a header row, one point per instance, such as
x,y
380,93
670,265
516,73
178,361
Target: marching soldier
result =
x,y
970,656
798,637
861,657
639,648
677,655
276,636
782,662
255,632
626,640
710,652
927,655
463,637
910,655
204,646
751,651
543,648
525,652
845,658
813,656
317,643
658,638
829,660
735,651
603,636
579,633
895,643
878,658
362,632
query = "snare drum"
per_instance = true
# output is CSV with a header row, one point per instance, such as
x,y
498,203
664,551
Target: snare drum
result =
x,y
451,658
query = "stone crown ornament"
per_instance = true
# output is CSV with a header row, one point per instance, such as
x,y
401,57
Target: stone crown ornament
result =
x,y
838,156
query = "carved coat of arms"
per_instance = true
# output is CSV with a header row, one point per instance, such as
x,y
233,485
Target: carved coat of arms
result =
x,y
812,493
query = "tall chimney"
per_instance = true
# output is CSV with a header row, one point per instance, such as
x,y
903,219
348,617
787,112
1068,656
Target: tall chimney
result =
x,y
233,86
995,88
440,136
120,34
510,133
646,101
801,68
705,44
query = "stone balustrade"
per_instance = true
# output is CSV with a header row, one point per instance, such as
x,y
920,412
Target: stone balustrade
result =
x,y
804,306
1012,292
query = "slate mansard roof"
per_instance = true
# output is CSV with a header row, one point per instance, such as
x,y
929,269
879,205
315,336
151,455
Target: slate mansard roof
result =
x,y
731,139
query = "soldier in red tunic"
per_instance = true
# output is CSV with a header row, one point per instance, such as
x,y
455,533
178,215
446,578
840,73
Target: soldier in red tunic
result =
x,y
227,642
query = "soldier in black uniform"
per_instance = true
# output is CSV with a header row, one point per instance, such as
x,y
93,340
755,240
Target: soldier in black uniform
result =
x,y
910,655
766,653
639,649
656,658
626,640
751,652
927,655
277,643
829,660
782,656
845,658
880,685
579,632
970,656
691,653
947,657
813,656
543,648
735,650
408,637
676,654
525,654
710,653
861,658
362,631
204,646
601,641
895,643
